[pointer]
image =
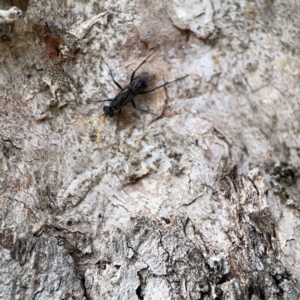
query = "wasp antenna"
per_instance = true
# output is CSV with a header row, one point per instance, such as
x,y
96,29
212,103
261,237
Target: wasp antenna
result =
x,y
100,128
87,122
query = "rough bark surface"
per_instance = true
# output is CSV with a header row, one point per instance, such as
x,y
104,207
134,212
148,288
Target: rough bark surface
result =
x,y
201,202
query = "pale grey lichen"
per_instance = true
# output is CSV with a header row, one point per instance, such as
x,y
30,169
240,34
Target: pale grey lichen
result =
x,y
10,15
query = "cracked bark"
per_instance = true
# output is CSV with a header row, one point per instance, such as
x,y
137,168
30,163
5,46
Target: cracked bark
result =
x,y
200,203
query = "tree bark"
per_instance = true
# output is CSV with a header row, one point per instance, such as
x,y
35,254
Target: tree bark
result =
x,y
198,199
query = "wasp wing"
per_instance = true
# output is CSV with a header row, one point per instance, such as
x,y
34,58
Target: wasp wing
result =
x,y
135,87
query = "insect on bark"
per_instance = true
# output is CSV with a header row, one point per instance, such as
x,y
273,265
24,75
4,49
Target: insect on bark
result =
x,y
136,86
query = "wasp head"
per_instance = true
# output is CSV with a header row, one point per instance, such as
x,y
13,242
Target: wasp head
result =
x,y
108,111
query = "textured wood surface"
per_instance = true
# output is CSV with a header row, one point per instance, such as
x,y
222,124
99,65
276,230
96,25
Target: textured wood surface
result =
x,y
201,202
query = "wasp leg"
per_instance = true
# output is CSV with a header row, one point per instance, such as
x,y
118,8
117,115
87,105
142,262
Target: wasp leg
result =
x,y
144,61
103,100
118,119
146,92
143,110
112,76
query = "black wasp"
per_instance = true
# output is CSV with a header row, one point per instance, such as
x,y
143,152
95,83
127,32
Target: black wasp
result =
x,y
136,87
